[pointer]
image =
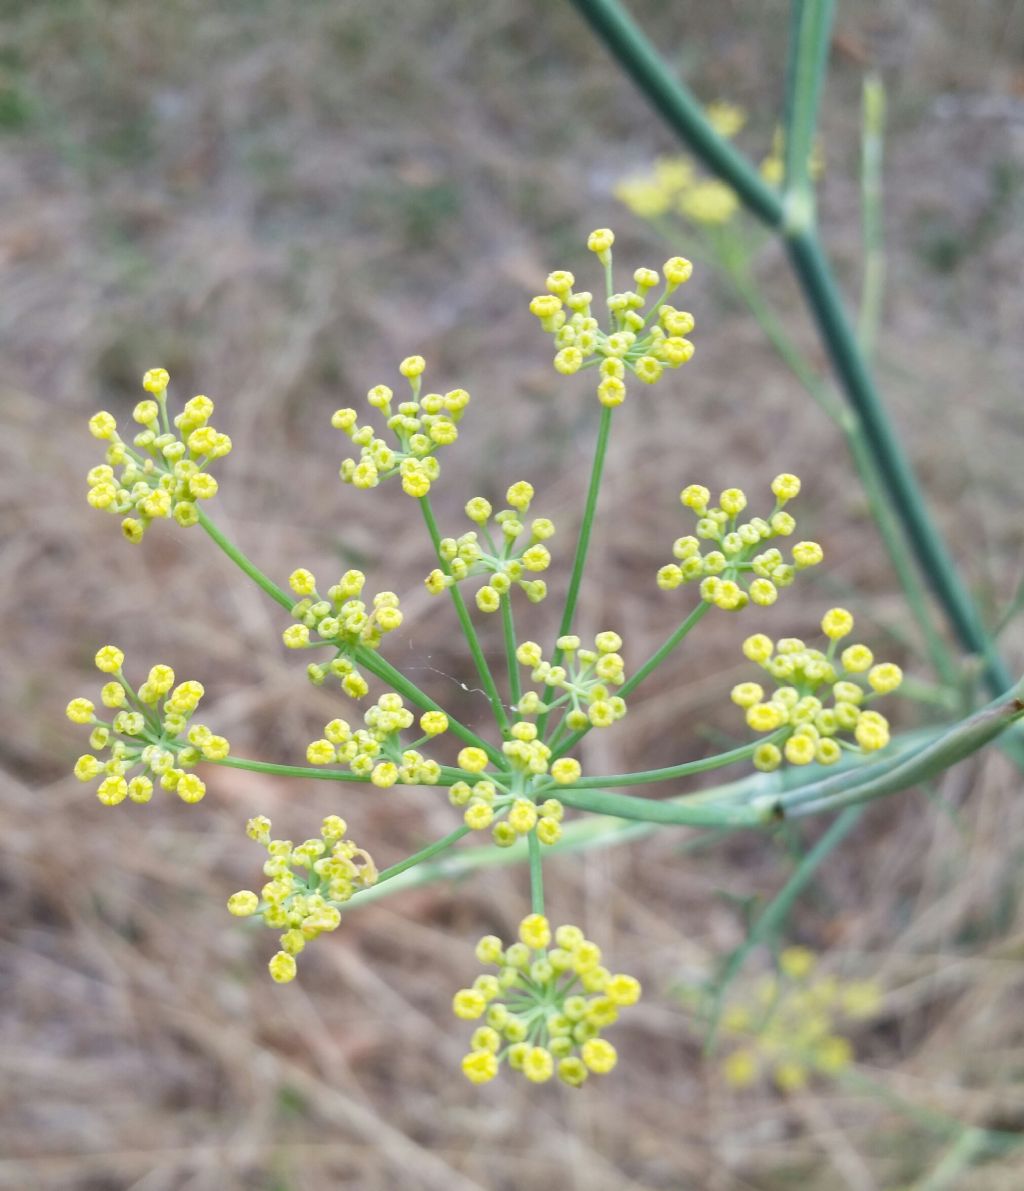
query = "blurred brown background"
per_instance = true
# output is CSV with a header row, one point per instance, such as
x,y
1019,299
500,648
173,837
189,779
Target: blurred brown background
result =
x,y
279,201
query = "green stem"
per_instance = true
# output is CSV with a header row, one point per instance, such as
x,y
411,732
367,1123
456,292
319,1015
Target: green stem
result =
x,y
427,853
883,778
648,810
771,919
466,621
891,461
686,769
659,655
240,560
686,117
536,874
383,669
850,427
810,30
509,630
873,285
449,774
582,544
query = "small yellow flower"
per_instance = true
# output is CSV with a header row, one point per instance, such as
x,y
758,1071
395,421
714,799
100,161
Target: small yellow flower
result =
x,y
600,1056
156,380
535,931
472,759
837,623
283,967
566,770
243,903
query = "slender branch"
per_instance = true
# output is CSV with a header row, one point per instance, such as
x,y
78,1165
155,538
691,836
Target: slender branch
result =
x,y
239,559
774,915
509,630
686,769
466,621
428,853
383,669
582,542
536,874
872,144
660,654
449,774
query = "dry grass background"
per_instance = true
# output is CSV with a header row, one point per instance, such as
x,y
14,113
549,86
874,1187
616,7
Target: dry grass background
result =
x,y
278,202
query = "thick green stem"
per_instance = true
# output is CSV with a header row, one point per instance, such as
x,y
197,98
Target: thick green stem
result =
x,y
466,621
686,117
240,560
810,30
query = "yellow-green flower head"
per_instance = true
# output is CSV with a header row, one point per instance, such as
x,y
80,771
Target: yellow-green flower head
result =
x,y
340,620
150,731
547,1007
630,342
511,551
376,752
584,676
418,428
809,728
308,883
163,470
727,556
789,1027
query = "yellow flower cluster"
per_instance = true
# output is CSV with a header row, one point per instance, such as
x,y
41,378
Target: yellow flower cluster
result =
x,y
584,677
149,731
163,471
303,903
546,1008
798,704
376,751
790,1026
509,814
737,571
506,561
642,344
419,427
341,620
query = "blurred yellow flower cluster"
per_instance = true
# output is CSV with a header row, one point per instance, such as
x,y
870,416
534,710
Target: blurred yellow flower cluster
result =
x,y
308,882
675,185
163,471
546,1008
790,1026
149,731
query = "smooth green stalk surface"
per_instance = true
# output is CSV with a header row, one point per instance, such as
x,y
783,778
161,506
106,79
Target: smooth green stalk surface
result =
x,y
466,621
685,116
